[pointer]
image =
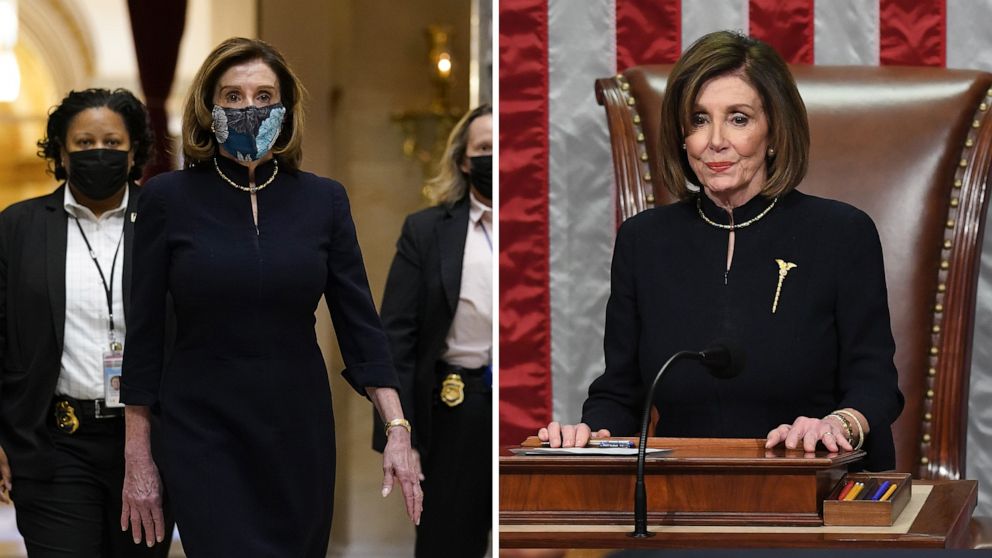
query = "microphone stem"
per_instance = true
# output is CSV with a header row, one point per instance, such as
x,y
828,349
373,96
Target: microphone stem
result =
x,y
640,492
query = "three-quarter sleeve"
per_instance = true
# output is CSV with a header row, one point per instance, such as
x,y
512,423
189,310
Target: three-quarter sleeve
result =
x,y
615,397
357,326
867,377
403,296
144,342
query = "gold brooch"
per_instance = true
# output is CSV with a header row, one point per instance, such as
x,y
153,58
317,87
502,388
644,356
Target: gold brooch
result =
x,y
783,270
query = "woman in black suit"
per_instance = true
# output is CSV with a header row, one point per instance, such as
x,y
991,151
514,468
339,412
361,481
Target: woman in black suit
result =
x,y
65,276
247,244
798,281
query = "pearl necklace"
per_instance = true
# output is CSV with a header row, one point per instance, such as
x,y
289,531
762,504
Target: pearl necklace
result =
x,y
251,189
699,208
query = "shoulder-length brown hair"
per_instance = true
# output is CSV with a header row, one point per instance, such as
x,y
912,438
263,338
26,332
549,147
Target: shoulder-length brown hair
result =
x,y
199,144
728,53
450,184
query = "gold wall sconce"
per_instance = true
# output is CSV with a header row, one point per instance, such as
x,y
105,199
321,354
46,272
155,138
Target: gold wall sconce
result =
x,y
425,131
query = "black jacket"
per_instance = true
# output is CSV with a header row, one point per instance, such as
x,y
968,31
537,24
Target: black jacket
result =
x,y
32,323
827,346
418,307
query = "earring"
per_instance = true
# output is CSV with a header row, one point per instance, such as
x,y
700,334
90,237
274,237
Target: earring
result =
x,y
771,151
683,147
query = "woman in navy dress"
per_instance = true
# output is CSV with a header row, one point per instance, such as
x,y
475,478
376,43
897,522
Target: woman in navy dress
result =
x,y
246,244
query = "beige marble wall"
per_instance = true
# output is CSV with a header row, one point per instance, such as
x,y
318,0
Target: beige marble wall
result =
x,y
363,60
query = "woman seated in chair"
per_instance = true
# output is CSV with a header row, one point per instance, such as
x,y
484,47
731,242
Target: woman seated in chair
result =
x,y
796,280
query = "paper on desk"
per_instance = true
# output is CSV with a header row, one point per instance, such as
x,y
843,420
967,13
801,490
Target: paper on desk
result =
x,y
584,451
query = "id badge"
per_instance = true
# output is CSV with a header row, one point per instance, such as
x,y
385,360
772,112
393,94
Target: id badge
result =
x,y
112,361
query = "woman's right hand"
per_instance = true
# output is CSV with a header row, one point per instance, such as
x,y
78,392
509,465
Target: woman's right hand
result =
x,y
141,498
569,435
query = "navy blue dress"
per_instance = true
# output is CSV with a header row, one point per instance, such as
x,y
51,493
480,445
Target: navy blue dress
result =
x,y
246,443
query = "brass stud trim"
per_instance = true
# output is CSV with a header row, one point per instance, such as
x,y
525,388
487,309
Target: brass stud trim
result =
x,y
948,244
929,394
647,177
969,142
619,77
935,329
950,222
955,202
938,308
924,460
649,198
932,371
983,107
637,119
962,163
945,264
644,156
989,92
631,101
934,351
640,137
976,123
941,287
957,183
926,438
928,417
625,86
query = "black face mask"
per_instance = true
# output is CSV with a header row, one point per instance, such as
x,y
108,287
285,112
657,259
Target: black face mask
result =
x,y
98,173
481,174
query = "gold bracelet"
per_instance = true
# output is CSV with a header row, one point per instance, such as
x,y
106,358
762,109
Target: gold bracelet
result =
x,y
861,430
397,422
849,432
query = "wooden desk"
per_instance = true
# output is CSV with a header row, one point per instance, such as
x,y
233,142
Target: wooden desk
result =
x,y
581,502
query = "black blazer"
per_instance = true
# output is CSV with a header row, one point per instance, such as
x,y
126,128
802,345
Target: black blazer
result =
x,y
418,306
32,323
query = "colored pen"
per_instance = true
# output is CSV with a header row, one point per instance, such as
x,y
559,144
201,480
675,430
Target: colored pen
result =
x,y
869,489
627,444
847,488
888,493
881,490
858,487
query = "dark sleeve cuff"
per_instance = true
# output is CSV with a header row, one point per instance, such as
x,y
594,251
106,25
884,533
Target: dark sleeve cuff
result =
x,y
135,396
371,374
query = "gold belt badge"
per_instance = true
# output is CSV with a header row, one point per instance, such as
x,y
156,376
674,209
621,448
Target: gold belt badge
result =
x,y
453,390
65,417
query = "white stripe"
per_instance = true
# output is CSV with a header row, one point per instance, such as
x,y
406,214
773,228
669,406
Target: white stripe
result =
x,y
700,18
845,32
969,45
581,48
969,42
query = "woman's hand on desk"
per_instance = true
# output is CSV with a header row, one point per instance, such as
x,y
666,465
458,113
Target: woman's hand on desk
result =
x,y
569,435
805,432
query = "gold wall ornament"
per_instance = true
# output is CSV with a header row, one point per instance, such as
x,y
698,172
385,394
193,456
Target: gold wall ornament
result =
x,y
425,131
783,269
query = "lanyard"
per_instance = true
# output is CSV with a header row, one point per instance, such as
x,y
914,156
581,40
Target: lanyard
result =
x,y
109,290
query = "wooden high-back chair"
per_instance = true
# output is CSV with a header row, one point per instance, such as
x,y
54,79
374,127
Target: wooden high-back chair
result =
x,y
912,147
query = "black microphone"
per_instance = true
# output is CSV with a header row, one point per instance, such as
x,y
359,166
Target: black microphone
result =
x,y
724,359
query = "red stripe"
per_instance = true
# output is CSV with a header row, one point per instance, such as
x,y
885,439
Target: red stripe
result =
x,y
648,32
912,33
524,307
787,25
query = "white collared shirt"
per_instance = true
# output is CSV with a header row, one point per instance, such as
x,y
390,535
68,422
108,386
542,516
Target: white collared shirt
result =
x,y
87,333
470,339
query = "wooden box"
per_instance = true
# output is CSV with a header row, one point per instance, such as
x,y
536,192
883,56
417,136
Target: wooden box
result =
x,y
868,512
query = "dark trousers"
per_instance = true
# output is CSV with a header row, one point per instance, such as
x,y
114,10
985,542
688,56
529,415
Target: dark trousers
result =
x,y
77,513
457,516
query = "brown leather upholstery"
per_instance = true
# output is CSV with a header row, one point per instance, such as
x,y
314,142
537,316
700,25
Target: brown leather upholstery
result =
x,y
910,146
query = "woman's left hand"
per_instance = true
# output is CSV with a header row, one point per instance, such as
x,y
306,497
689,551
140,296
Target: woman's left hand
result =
x,y
808,431
400,463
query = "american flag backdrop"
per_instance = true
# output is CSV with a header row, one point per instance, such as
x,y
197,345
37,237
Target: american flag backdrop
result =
x,y
557,219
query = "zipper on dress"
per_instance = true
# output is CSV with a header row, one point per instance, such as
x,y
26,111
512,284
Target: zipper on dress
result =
x,y
730,250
